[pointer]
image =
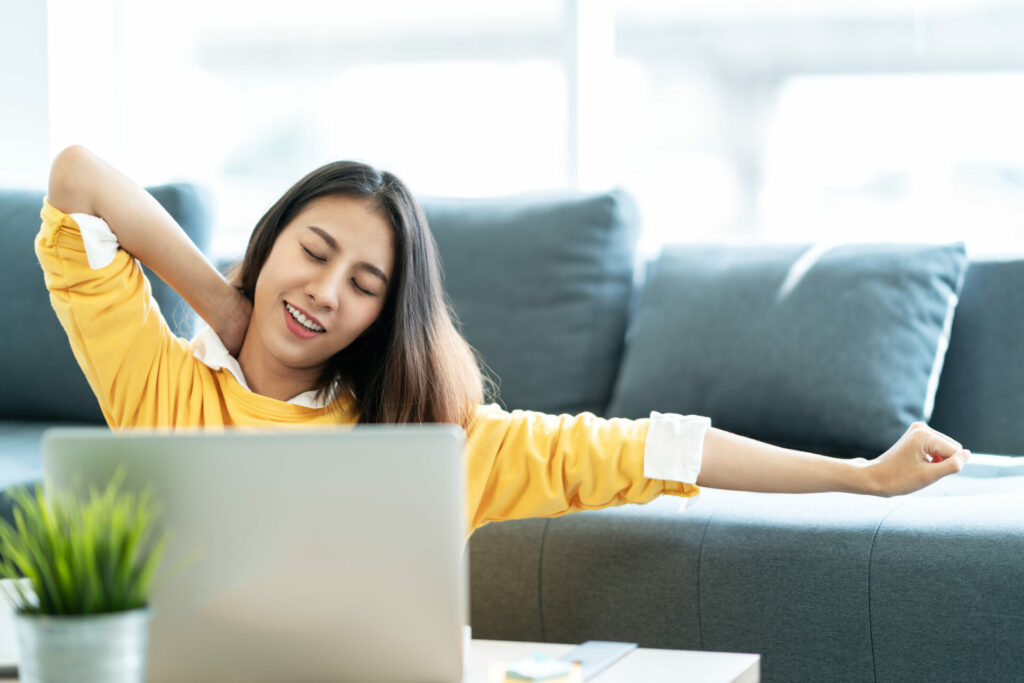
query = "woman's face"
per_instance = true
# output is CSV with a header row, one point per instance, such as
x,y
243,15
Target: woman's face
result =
x,y
323,284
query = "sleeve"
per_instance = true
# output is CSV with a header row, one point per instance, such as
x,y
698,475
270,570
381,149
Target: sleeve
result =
x,y
133,362
527,464
675,446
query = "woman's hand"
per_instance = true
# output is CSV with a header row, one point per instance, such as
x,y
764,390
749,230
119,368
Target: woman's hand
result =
x,y
921,457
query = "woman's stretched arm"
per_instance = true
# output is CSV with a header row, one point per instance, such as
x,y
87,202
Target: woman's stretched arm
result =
x,y
922,456
527,464
81,182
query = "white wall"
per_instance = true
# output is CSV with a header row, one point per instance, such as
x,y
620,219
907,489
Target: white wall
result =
x,y
24,102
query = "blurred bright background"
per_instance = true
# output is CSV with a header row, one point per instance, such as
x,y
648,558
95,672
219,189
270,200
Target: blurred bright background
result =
x,y
728,120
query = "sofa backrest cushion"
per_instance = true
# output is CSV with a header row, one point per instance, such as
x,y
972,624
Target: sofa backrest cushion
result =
x,y
836,349
541,285
981,394
39,378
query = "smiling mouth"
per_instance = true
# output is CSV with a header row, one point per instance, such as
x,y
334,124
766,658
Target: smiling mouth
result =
x,y
300,318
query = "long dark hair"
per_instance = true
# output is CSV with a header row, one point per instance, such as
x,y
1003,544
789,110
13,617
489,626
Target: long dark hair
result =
x,y
411,364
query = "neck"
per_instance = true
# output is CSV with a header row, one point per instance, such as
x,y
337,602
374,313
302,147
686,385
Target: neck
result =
x,y
268,377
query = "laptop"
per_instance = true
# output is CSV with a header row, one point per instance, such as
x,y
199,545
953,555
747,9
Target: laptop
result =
x,y
327,555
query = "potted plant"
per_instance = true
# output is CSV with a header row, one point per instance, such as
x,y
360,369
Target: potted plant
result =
x,y
82,607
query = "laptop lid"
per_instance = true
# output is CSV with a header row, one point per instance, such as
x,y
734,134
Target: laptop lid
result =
x,y
295,555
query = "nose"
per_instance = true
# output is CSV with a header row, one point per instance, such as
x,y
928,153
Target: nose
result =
x,y
322,293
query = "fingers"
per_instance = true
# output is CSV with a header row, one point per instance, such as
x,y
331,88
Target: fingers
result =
x,y
955,463
921,457
934,444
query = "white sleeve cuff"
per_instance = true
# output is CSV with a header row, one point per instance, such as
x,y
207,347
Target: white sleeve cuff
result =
x,y
101,243
675,444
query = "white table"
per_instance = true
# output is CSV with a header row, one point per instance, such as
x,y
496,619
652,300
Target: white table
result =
x,y
641,665
649,666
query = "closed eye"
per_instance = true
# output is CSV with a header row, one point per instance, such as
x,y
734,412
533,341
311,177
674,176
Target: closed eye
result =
x,y
361,289
319,259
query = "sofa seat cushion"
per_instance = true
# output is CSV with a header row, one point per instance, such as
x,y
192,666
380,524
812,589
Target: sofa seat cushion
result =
x,y
21,461
825,587
541,285
832,349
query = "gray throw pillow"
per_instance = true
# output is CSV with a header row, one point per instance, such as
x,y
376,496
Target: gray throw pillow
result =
x,y
541,286
40,379
835,349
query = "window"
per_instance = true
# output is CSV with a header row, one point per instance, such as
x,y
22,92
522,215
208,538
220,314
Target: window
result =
x,y
458,98
814,120
728,120
928,157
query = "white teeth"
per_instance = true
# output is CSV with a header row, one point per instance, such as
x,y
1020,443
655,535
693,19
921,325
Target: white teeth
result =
x,y
303,320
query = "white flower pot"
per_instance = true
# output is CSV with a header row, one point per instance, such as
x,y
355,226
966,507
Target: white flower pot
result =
x,y
95,648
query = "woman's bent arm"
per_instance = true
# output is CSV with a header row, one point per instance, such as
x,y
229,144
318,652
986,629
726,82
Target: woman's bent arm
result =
x,y
921,457
81,182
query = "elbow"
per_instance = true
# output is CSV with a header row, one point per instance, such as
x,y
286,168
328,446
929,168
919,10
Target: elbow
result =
x,y
67,189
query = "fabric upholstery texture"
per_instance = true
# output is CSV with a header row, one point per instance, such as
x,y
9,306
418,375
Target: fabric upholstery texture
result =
x,y
979,397
20,462
834,349
541,285
788,570
31,332
628,575
825,587
941,586
508,558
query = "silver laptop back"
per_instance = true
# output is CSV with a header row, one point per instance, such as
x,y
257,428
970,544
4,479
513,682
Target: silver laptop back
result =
x,y
302,556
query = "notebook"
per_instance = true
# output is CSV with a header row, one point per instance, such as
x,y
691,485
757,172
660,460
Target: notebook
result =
x,y
294,555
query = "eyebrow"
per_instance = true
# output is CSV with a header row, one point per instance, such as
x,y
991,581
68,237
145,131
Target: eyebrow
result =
x,y
333,244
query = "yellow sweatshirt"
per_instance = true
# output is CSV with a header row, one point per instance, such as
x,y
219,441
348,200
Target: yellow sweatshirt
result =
x,y
519,464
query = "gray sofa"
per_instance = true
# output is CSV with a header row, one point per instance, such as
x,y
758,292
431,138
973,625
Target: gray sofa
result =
x,y
830,350
822,353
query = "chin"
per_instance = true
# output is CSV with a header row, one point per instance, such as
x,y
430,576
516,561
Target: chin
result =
x,y
288,355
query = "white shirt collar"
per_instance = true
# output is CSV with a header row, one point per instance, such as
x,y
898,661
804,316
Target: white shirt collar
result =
x,y
211,352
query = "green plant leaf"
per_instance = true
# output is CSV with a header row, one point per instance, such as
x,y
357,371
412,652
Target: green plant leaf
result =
x,y
82,557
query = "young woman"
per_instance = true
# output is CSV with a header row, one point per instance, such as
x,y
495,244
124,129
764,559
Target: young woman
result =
x,y
338,317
